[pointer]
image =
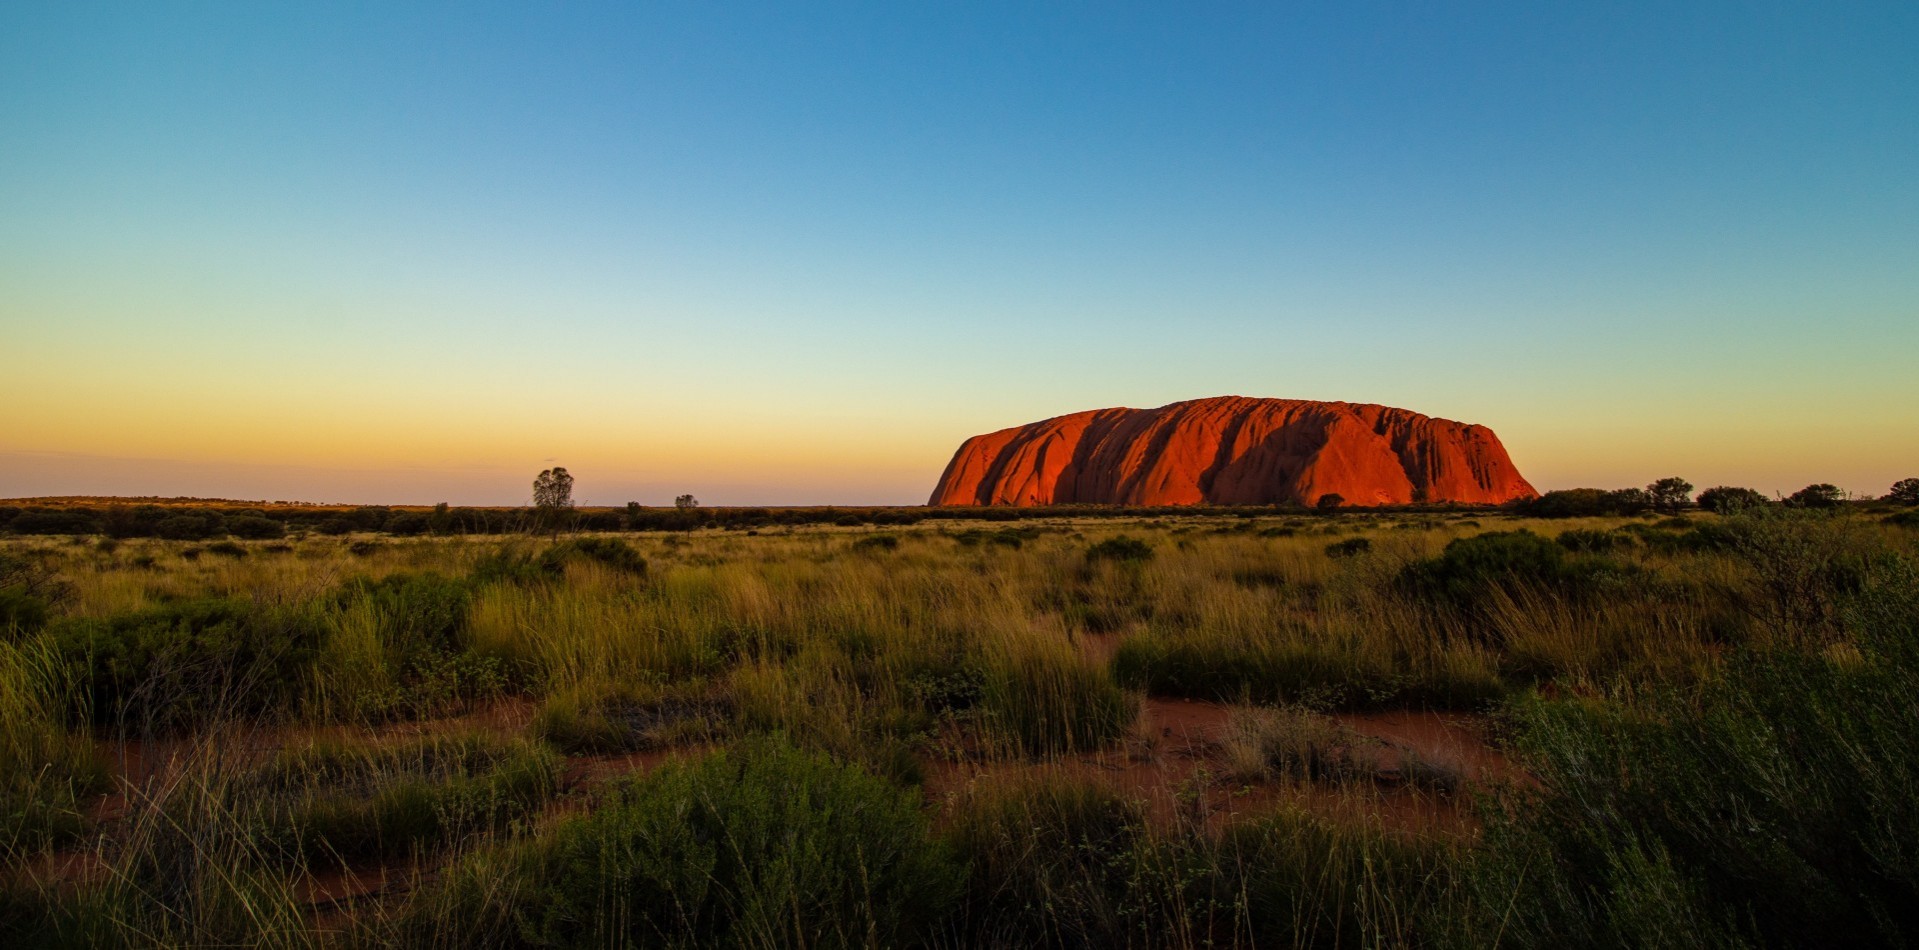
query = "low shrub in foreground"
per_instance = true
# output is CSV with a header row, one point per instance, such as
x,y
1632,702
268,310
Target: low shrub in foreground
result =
x,y
188,662
760,845
329,803
1773,808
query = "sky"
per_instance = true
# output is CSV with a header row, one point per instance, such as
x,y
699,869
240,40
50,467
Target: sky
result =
x,y
796,253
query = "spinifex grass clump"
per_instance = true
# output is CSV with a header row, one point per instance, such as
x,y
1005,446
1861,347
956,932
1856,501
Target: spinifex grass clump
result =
x,y
760,845
46,772
1052,861
188,662
401,644
1470,570
1773,806
326,804
1039,696
635,716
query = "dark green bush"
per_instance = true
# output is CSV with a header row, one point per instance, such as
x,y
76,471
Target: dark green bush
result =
x,y
256,528
610,552
328,804
54,521
1470,568
188,662
1771,807
876,543
1904,492
515,564
408,523
1351,547
1120,550
1725,500
1821,495
1587,540
761,845
191,526
1585,503
1052,861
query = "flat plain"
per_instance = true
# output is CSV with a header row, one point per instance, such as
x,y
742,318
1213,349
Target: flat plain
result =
x,y
1274,730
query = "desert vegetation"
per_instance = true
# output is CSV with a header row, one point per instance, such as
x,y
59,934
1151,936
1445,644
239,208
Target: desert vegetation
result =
x,y
1653,725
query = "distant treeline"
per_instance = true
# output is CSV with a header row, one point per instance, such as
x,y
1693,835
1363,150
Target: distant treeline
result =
x,y
190,522
200,522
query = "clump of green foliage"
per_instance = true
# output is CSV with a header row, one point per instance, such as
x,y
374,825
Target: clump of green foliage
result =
x,y
1351,547
1469,569
188,662
1771,806
329,803
601,717
758,845
1120,550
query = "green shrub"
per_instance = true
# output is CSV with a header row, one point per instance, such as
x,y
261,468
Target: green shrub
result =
x,y
420,625
45,772
30,590
610,552
761,845
876,543
515,564
192,526
189,661
256,528
20,612
1469,569
1351,547
1042,702
1291,879
1052,860
1120,550
628,717
1321,673
1725,500
1821,495
226,549
1771,807
330,803
1904,492
1587,540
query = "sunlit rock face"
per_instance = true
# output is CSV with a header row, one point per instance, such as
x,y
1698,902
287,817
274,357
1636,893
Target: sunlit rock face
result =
x,y
1234,450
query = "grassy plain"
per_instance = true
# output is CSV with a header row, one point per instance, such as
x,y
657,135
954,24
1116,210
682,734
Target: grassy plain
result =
x,y
1272,731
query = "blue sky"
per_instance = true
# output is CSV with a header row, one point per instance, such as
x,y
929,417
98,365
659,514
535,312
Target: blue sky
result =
x,y
792,254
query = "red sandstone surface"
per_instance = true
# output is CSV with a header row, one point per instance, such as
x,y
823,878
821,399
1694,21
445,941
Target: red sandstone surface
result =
x,y
1234,450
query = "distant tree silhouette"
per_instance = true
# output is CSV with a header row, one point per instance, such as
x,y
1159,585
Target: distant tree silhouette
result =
x,y
1723,499
1821,495
552,498
1904,492
684,502
1329,501
1670,494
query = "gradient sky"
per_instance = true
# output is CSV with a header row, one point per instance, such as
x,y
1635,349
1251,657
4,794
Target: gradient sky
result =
x,y
770,254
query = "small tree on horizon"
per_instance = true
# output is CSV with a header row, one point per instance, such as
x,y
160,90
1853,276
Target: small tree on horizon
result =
x,y
1725,499
552,497
1904,492
1670,494
1821,495
684,502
